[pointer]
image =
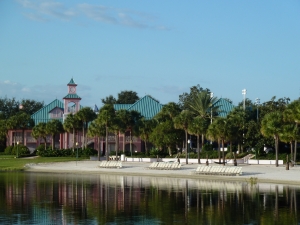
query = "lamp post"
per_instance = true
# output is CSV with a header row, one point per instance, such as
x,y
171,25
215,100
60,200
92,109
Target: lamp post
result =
x,y
17,149
76,152
257,101
244,91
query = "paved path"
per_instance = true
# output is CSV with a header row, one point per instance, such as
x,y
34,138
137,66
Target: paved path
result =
x,y
263,173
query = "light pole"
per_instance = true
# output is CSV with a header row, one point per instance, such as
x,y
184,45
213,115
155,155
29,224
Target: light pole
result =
x,y
244,91
76,152
17,149
257,101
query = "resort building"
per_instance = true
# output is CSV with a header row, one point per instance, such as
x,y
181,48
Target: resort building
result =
x,y
57,109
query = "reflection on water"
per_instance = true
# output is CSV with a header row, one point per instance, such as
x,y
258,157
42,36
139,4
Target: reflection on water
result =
x,y
35,198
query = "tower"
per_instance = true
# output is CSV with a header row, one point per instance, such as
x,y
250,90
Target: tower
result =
x,y
71,100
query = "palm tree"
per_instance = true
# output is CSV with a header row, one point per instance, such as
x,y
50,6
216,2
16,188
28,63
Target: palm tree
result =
x,y
96,130
289,134
71,124
40,131
12,124
236,123
24,122
182,122
292,114
130,120
202,104
271,126
106,118
222,132
198,127
212,134
168,111
54,127
117,127
85,115
145,129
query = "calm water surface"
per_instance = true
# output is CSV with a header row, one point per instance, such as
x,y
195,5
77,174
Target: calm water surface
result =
x,y
37,198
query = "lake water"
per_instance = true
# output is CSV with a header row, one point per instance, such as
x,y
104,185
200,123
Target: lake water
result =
x,y
41,198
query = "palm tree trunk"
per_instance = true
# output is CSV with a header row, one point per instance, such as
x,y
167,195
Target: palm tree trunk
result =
x,y
82,144
130,143
186,147
223,152
219,150
117,144
198,148
295,151
98,140
106,143
53,136
276,150
291,144
202,141
73,138
146,149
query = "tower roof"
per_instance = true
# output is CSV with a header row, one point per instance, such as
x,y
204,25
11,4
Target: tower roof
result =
x,y
72,82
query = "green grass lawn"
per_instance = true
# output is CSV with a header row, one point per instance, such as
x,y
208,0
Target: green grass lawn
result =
x,y
10,163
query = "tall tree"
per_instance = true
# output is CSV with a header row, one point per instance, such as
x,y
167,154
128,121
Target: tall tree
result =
x,y
127,97
97,130
289,134
212,133
271,126
145,129
54,127
164,134
130,121
40,131
198,127
85,115
71,124
10,107
186,97
109,100
24,122
106,118
292,114
221,127
182,121
168,112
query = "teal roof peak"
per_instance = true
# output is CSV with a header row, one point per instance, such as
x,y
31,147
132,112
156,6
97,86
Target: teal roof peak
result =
x,y
74,96
72,82
146,106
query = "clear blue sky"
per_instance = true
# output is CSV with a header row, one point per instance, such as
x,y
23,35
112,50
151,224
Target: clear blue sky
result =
x,y
161,48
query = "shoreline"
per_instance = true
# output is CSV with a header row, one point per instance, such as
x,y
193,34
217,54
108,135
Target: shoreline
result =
x,y
263,173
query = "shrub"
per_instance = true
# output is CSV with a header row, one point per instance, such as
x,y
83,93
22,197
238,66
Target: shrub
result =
x,y
21,150
8,150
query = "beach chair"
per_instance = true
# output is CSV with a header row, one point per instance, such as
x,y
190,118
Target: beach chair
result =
x,y
174,166
239,171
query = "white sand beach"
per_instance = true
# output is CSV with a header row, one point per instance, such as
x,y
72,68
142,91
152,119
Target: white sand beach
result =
x,y
263,173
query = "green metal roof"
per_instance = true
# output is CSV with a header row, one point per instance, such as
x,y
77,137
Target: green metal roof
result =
x,y
71,82
74,96
121,106
225,107
146,106
43,114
